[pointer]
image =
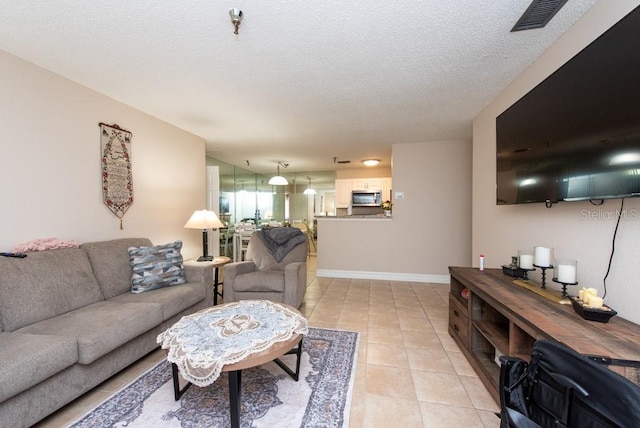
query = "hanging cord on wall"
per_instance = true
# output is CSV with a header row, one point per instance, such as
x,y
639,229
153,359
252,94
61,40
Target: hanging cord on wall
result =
x,y
613,247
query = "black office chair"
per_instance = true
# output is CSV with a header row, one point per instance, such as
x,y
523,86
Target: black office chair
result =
x,y
561,388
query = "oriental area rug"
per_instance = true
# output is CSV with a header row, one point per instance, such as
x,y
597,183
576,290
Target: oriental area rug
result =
x,y
270,398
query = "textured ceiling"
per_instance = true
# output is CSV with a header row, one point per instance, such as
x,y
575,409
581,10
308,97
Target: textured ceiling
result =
x,y
302,82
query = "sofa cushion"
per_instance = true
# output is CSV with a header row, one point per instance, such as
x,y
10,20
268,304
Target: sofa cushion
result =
x,y
155,267
172,300
110,262
28,359
45,284
260,281
101,327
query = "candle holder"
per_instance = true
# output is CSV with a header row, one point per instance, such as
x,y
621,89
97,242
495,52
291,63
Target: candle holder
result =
x,y
564,286
525,275
514,270
544,274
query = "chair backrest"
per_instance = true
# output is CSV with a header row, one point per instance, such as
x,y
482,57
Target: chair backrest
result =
x,y
257,252
300,225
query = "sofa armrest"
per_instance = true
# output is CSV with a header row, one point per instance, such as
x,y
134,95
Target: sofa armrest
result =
x,y
232,270
295,282
202,272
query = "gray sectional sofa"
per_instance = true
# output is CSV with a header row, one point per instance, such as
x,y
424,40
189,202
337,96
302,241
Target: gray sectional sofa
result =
x,y
69,321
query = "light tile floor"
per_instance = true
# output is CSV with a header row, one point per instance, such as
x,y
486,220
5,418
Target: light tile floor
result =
x,y
410,372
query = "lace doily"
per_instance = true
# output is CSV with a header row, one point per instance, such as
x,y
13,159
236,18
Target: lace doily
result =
x,y
202,343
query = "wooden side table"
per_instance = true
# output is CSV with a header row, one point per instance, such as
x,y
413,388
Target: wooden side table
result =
x,y
216,264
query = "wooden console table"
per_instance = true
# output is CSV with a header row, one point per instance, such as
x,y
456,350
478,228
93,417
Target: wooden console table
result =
x,y
501,318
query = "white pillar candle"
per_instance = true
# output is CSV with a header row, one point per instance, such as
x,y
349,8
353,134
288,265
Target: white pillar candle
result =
x,y
566,273
542,256
526,261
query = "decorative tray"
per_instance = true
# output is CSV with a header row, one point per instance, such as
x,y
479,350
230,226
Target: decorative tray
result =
x,y
603,314
514,272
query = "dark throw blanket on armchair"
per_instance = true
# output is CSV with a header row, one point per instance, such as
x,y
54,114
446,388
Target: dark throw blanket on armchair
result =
x,y
280,240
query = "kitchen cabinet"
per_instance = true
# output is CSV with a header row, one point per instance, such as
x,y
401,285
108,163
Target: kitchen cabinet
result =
x,y
366,184
345,186
343,193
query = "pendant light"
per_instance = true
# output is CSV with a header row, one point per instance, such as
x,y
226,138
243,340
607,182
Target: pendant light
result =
x,y
279,180
309,190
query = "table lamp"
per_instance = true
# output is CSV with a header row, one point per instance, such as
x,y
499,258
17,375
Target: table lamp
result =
x,y
203,219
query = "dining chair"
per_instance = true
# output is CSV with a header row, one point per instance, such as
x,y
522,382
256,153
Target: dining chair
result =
x,y
226,241
304,227
241,238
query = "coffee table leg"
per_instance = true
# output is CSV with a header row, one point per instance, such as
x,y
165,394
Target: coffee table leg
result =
x,y
235,390
177,392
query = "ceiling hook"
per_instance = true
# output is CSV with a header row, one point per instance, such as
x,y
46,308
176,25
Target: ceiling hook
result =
x,y
236,17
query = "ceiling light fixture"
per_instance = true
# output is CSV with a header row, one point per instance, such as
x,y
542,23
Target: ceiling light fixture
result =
x,y
309,190
371,162
236,18
279,180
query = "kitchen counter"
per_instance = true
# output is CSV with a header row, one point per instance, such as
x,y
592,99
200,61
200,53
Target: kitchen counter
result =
x,y
356,217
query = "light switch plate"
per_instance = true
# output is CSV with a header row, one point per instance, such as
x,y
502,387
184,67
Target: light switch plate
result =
x,y
399,195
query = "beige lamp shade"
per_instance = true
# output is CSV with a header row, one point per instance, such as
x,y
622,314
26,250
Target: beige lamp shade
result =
x,y
203,219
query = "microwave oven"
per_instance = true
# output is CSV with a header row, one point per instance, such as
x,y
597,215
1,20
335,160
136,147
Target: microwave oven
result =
x,y
366,198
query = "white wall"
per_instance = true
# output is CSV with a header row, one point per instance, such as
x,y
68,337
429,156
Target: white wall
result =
x,y
430,229
576,230
50,164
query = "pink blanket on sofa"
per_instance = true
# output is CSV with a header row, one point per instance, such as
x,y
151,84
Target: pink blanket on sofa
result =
x,y
44,244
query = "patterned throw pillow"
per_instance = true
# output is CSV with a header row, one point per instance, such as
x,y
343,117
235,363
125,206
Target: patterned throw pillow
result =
x,y
156,267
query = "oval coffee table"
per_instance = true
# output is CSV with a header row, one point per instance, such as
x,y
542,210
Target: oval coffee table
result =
x,y
230,338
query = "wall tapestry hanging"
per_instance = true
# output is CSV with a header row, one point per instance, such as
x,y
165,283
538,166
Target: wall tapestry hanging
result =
x,y
117,184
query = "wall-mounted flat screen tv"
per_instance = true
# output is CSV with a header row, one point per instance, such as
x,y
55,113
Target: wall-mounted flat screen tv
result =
x,y
576,136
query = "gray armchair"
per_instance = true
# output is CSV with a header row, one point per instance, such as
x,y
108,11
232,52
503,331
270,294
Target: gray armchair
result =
x,y
262,276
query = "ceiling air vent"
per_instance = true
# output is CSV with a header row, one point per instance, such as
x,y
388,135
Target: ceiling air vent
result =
x,y
538,14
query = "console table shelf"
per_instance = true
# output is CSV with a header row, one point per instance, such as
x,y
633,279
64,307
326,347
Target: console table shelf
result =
x,y
490,316
495,333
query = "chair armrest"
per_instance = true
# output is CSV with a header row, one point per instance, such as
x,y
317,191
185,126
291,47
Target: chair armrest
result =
x,y
295,283
238,268
294,267
230,272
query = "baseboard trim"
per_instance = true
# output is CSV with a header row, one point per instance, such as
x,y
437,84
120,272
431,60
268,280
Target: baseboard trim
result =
x,y
385,276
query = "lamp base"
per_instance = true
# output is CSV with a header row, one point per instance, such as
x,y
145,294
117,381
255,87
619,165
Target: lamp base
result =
x,y
205,258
